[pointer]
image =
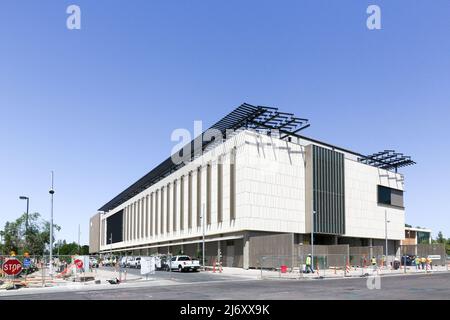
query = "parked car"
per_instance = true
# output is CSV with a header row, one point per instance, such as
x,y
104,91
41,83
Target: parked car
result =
x,y
109,261
409,259
134,262
162,262
184,263
138,263
93,262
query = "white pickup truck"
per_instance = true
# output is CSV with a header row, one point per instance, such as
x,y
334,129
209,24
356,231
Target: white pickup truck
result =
x,y
184,263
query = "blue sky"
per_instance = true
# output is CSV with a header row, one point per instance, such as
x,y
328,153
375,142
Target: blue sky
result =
x,y
98,105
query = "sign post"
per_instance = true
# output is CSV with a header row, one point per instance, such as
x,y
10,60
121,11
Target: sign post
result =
x,y
12,267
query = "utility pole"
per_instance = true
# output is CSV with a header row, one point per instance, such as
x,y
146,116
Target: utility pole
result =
x,y
110,250
312,232
52,192
26,219
79,232
385,231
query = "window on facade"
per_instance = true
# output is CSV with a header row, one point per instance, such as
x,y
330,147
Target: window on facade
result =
x,y
208,194
161,223
389,196
233,184
156,211
151,214
190,200
168,209
182,203
174,216
219,190
199,196
147,216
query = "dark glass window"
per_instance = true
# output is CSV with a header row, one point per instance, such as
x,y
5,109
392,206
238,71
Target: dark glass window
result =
x,y
384,195
114,227
389,196
184,259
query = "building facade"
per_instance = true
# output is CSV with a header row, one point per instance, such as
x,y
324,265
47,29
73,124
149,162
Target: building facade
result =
x,y
256,183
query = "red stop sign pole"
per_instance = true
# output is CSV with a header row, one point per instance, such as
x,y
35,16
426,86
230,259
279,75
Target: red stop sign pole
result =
x,y
12,267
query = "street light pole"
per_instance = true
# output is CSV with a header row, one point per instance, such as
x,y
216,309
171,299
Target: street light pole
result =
x,y
110,248
312,232
26,219
385,231
52,192
79,247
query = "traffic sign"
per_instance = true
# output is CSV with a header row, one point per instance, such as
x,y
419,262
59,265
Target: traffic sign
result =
x,y
79,263
26,262
12,267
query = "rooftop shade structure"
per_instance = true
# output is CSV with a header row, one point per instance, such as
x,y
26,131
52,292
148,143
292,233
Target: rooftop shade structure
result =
x,y
246,116
387,159
259,118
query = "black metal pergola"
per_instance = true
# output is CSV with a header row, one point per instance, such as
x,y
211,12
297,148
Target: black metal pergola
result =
x,y
387,159
246,116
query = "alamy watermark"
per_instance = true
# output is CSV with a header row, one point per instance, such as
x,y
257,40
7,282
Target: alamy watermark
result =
x,y
73,21
191,147
373,22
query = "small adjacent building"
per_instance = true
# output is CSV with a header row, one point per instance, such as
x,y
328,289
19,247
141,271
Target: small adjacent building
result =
x,y
415,236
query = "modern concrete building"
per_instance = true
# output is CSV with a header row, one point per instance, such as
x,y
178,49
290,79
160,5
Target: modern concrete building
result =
x,y
260,179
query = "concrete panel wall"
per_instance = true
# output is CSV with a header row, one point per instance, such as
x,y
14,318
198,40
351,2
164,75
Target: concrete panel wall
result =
x,y
94,234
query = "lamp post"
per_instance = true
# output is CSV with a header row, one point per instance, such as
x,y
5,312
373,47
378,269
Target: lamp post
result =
x,y
26,219
79,247
386,221
313,213
110,248
52,192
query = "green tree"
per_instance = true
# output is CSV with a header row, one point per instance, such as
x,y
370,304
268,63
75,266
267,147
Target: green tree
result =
x,y
440,238
66,249
34,240
69,249
85,250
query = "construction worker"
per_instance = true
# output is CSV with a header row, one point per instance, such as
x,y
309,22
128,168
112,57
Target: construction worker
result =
x,y
417,262
309,264
428,261
373,262
422,262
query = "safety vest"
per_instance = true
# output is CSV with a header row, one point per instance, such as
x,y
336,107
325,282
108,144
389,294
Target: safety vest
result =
x,y
308,261
417,260
373,261
423,260
428,260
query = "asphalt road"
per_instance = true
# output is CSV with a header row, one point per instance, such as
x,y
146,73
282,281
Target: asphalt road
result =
x,y
420,287
183,277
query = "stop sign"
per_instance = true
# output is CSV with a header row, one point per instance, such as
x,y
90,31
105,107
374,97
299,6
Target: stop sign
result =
x,y
12,267
79,263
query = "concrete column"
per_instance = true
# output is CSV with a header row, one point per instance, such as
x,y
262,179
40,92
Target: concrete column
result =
x,y
218,251
371,248
246,252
